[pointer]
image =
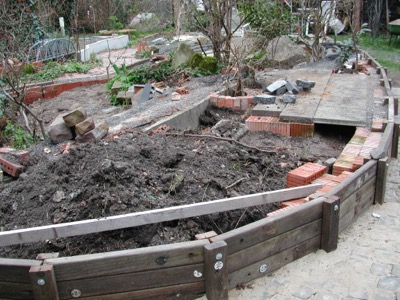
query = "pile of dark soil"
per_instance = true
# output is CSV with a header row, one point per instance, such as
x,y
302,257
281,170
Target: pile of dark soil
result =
x,y
137,172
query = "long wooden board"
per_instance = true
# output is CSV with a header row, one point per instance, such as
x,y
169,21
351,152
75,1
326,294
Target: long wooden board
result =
x,y
128,261
49,232
181,291
273,246
273,263
385,146
16,270
351,201
265,229
120,283
10,290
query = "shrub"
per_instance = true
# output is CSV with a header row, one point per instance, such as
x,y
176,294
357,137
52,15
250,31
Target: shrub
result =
x,y
208,64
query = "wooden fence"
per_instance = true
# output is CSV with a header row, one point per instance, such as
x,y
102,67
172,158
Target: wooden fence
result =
x,y
212,266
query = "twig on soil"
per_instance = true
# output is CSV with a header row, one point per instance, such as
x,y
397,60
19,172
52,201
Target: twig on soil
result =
x,y
204,194
222,139
241,218
235,183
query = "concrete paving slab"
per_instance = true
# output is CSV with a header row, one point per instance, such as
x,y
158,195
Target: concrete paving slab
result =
x,y
302,111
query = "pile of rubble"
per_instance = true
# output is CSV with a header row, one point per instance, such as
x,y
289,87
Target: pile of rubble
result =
x,y
76,125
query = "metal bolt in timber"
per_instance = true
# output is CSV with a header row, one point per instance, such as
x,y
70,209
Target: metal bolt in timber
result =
x,y
336,207
76,293
263,268
197,274
218,265
41,281
218,256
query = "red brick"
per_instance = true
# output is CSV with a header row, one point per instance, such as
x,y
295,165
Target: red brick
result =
x,y
71,85
10,168
33,94
293,203
221,101
377,126
206,235
22,155
305,174
303,130
229,102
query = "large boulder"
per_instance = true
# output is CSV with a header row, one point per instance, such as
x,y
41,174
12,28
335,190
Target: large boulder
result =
x,y
182,55
284,53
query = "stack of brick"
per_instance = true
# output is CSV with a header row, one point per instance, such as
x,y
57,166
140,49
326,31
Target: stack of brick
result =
x,y
235,103
357,150
305,174
76,125
328,182
12,161
274,125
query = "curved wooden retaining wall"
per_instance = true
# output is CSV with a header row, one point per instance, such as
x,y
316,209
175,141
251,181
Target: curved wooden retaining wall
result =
x,y
212,267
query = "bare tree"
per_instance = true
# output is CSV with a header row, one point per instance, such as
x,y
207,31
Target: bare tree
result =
x,y
19,28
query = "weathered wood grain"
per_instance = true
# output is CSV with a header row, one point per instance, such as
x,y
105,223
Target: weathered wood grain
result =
x,y
344,189
16,270
274,245
273,263
365,201
150,217
351,201
270,227
182,291
380,188
128,282
11,290
43,283
385,146
216,271
330,224
128,261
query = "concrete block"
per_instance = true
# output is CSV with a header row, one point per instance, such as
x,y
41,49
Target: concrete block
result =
x,y
305,84
268,110
289,97
264,99
292,88
58,131
116,87
125,97
74,117
273,87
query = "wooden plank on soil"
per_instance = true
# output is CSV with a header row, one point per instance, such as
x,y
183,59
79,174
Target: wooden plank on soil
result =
x,y
16,270
128,261
120,283
347,187
11,290
274,245
273,263
49,232
265,229
349,203
365,201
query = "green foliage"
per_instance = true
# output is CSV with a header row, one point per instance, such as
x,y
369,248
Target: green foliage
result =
x,y
208,64
17,137
114,23
3,104
196,59
28,69
271,19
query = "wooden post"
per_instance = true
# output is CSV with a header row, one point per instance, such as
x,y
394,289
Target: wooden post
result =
x,y
380,187
216,271
395,142
330,224
43,282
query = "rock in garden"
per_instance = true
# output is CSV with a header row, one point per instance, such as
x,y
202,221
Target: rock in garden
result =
x,y
74,117
289,97
84,126
58,196
96,134
264,99
58,131
305,84
182,55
